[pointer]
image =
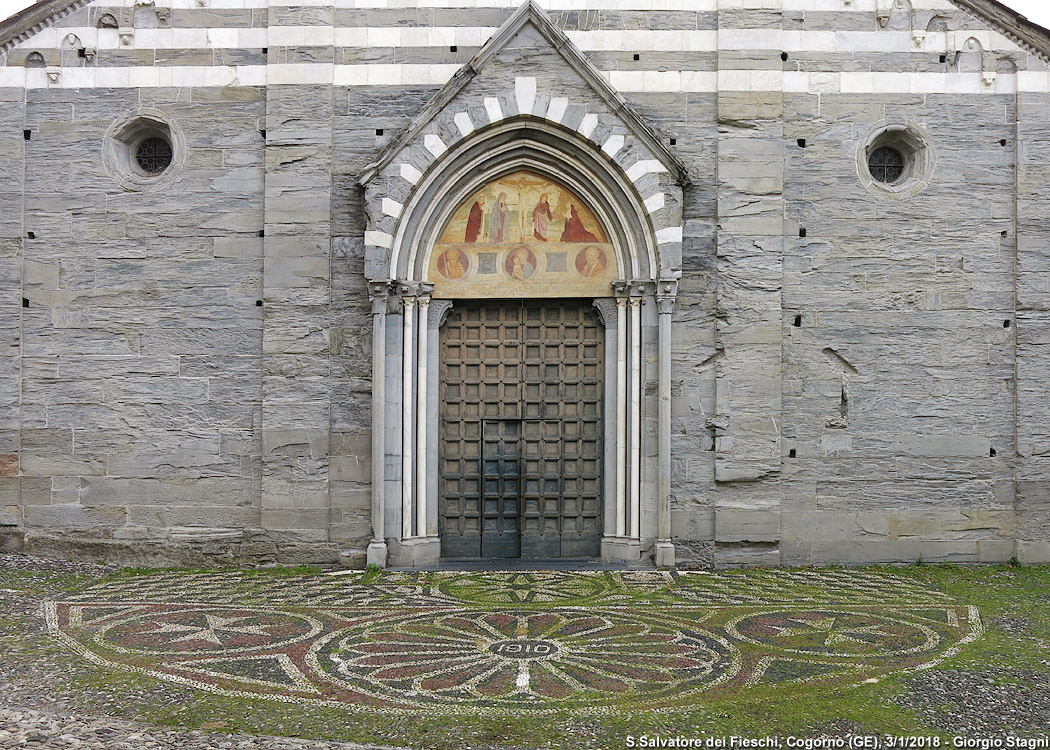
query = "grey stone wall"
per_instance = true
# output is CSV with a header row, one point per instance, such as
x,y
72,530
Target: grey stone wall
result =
x,y
189,369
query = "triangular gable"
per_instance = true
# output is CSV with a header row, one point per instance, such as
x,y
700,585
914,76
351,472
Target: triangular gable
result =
x,y
1011,24
530,14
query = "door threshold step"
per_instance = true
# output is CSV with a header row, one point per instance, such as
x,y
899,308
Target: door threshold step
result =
x,y
510,565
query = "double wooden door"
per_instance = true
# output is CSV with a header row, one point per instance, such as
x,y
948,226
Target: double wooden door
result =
x,y
521,430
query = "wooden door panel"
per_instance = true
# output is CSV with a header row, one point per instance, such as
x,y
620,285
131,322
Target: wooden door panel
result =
x,y
520,423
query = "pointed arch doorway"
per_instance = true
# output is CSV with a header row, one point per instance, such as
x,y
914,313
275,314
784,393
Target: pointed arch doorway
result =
x,y
521,368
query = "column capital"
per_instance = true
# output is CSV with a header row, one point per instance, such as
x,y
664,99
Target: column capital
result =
x,y
666,293
414,289
634,288
379,295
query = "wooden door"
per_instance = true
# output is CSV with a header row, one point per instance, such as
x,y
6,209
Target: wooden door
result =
x,y
521,430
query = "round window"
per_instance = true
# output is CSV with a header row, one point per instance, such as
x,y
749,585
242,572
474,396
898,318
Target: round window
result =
x,y
896,160
144,150
153,155
886,165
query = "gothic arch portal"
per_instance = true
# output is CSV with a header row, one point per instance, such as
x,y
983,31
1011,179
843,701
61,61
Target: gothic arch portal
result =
x,y
429,239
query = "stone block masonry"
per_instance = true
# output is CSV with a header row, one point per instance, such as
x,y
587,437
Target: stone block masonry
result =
x,y
858,371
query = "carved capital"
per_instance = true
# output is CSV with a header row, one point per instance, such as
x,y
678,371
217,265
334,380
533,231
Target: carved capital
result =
x,y
634,288
379,294
666,293
414,288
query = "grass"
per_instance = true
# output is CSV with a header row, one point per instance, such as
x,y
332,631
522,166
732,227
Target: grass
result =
x,y
1008,597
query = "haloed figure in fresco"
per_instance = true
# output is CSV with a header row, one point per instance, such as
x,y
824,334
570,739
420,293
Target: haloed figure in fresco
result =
x,y
498,220
540,216
474,221
575,231
521,263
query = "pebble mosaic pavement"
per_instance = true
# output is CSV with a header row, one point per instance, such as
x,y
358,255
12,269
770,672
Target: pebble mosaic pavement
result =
x,y
508,643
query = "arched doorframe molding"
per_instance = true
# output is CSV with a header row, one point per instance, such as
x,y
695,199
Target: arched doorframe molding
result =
x,y
636,313
546,148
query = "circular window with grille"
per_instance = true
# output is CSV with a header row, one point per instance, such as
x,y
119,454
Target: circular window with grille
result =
x,y
143,150
153,155
886,165
896,160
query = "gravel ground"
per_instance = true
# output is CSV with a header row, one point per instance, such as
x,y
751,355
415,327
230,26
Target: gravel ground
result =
x,y
35,729
982,704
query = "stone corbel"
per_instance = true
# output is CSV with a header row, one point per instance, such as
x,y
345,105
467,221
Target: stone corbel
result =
x,y
719,423
988,78
54,74
438,312
882,16
918,37
163,17
90,53
606,308
127,36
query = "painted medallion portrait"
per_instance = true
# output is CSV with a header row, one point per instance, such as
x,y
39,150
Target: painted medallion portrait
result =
x,y
520,263
591,261
453,263
523,235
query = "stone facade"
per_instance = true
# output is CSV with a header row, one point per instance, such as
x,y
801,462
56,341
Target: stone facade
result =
x,y
829,370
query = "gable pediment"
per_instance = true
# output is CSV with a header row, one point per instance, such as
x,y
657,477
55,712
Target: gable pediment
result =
x,y
497,83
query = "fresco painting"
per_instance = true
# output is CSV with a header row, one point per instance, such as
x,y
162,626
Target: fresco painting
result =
x,y
512,238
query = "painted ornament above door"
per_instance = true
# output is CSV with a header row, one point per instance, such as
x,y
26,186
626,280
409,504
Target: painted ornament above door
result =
x,y
523,235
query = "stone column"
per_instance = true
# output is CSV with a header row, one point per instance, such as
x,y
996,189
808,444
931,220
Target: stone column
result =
x,y
417,543
666,290
621,416
419,527
379,294
634,526
408,403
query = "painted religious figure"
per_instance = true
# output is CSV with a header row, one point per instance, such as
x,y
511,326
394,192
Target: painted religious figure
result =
x,y
540,216
498,220
453,263
521,263
474,221
523,235
591,261
575,231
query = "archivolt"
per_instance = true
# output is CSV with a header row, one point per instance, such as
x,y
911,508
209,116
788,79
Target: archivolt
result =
x,y
538,146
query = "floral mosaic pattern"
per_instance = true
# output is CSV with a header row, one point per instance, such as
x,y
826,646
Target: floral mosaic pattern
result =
x,y
506,643
522,659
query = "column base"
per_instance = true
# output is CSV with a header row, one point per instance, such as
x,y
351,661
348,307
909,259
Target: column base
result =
x,y
417,552
621,549
376,554
663,554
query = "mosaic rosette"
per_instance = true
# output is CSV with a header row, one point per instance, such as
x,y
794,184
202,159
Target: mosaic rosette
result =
x,y
518,660
510,643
